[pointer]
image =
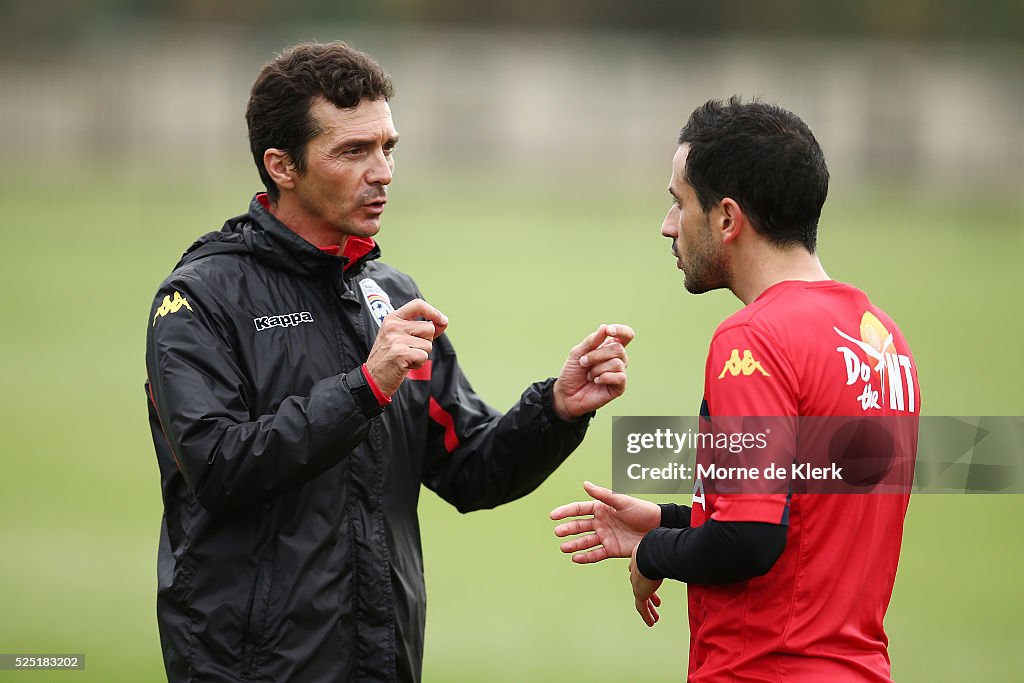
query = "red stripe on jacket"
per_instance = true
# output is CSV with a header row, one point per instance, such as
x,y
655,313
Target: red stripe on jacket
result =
x,y
444,418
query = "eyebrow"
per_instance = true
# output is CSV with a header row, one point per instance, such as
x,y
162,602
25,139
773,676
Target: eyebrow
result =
x,y
362,142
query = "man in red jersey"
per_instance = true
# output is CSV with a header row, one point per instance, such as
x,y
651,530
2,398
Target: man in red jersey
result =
x,y
783,585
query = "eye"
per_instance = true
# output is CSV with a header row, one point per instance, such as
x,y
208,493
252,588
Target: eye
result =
x,y
389,149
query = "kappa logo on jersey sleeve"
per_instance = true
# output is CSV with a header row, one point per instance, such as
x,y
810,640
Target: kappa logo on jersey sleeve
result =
x,y
745,366
377,299
875,356
170,305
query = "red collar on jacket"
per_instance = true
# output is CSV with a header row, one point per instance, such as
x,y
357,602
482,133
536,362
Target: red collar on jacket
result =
x,y
355,247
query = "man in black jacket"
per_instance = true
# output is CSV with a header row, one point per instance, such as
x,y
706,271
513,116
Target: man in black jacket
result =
x,y
301,392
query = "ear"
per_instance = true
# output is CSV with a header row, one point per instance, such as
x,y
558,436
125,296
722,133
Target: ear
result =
x,y
731,219
280,167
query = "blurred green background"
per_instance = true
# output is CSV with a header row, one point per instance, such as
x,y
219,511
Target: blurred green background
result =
x,y
527,229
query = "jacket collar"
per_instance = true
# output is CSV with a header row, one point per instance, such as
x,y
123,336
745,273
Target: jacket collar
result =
x,y
277,245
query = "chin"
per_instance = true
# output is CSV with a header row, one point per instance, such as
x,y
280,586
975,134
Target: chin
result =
x,y
365,230
698,285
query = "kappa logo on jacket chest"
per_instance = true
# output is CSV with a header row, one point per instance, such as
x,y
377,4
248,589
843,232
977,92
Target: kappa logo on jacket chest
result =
x,y
377,299
284,320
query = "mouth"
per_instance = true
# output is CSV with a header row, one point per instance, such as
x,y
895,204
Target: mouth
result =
x,y
375,207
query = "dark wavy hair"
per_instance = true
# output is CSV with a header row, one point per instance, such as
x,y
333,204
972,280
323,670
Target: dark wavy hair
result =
x,y
763,157
278,111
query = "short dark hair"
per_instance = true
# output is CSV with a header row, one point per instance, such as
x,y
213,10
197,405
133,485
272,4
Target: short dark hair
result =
x,y
766,159
278,111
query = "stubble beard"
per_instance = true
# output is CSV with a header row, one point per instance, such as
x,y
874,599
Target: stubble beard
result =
x,y
705,269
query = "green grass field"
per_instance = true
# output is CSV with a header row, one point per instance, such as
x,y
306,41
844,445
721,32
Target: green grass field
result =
x,y
523,271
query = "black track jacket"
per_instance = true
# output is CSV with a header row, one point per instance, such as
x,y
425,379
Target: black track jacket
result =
x,y
290,545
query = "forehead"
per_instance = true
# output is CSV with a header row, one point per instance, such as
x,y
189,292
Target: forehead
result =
x,y
679,165
368,119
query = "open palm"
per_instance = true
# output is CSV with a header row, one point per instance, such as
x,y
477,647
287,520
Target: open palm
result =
x,y
611,525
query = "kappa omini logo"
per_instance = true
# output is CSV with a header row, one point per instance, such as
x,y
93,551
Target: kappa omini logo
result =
x,y
880,357
170,305
377,299
745,366
265,322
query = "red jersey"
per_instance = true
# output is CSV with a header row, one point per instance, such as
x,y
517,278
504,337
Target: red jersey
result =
x,y
805,349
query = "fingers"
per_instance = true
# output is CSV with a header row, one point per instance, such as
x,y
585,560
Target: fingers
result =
x,y
416,361
606,351
580,543
608,362
615,380
572,510
647,610
418,352
424,329
577,526
623,333
410,341
617,334
595,555
613,351
418,308
591,341
607,372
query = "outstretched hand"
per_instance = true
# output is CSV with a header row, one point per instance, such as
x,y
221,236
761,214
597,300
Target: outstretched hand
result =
x,y
594,373
612,524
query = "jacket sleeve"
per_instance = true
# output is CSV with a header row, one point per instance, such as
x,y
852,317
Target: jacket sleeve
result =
x,y
229,457
478,458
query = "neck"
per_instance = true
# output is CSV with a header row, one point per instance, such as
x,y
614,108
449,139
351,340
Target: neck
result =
x,y
302,224
767,265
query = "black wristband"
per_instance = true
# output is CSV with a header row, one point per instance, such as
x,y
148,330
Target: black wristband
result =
x,y
356,384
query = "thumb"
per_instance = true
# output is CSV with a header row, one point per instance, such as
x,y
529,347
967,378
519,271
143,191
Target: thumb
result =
x,y
606,496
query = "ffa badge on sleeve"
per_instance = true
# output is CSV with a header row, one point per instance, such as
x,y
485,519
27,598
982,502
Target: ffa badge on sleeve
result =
x,y
377,299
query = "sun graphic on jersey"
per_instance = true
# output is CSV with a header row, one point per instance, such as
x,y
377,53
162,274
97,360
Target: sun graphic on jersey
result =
x,y
874,334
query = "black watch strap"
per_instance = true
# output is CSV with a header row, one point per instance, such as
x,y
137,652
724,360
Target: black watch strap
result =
x,y
355,382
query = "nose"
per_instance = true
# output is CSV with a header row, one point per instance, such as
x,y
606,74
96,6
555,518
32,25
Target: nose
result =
x,y
381,169
670,226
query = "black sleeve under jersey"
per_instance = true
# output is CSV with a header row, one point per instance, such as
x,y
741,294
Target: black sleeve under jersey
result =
x,y
713,553
675,516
